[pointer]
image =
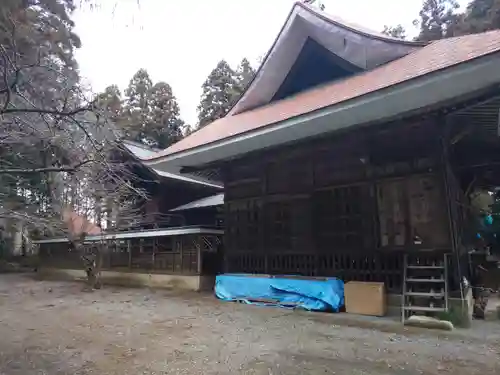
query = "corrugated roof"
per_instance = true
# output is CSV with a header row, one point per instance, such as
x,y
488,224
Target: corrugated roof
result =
x,y
142,152
434,57
174,231
214,200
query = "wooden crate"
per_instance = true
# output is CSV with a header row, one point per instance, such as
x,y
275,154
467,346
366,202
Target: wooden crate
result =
x,y
365,298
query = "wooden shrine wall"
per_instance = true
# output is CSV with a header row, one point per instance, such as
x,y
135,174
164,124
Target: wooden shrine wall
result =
x,y
339,207
169,254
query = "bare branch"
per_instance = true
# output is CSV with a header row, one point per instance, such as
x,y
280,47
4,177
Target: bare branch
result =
x,y
45,169
59,155
45,111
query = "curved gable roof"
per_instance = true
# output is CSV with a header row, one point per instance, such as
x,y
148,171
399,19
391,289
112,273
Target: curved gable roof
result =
x,y
357,45
436,57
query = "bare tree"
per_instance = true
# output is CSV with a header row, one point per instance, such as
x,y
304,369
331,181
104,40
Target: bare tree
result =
x,y
58,149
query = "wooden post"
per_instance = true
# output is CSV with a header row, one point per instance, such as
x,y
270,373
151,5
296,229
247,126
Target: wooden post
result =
x,y
263,218
129,248
179,243
198,253
446,174
108,250
155,243
172,253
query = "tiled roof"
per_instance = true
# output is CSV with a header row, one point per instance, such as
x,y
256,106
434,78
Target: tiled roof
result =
x,y
434,57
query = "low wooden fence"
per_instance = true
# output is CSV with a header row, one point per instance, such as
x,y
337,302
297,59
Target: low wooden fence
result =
x,y
191,254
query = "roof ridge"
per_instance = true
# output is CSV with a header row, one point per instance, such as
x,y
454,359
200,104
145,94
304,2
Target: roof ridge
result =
x,y
329,17
468,36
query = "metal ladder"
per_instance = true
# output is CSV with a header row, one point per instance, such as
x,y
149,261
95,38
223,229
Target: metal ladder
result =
x,y
425,286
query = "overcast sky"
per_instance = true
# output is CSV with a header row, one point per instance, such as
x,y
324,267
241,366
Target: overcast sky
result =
x,y
181,41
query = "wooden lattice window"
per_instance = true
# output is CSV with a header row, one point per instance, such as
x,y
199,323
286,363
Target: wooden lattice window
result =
x,y
412,212
342,162
242,229
287,225
278,226
243,172
392,213
342,219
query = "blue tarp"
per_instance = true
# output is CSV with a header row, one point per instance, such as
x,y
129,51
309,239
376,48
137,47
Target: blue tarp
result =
x,y
309,294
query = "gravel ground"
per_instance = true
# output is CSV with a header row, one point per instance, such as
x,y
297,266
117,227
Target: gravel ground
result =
x,y
55,328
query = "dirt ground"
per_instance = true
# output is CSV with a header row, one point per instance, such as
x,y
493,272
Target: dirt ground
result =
x,y
55,328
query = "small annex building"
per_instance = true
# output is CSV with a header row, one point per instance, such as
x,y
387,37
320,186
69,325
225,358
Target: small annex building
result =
x,y
167,244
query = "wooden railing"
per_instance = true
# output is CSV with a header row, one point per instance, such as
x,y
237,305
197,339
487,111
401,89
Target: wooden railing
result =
x,y
166,254
381,267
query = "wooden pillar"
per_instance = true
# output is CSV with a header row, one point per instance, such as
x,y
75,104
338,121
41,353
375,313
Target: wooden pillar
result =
x,y
445,170
155,243
446,173
409,243
263,217
198,253
227,220
313,231
179,245
110,250
129,248
106,250
172,253
370,147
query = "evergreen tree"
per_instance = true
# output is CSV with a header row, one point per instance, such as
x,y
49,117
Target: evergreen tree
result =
x,y
397,31
480,16
137,106
165,126
111,102
151,114
316,3
440,19
437,19
220,90
244,74
43,29
39,70
188,129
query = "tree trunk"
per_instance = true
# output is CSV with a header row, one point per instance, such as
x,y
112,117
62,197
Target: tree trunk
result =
x,y
92,264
